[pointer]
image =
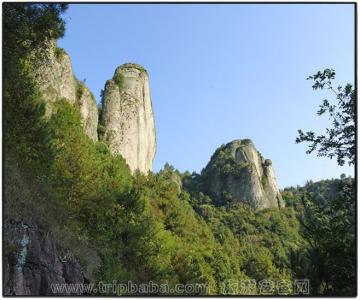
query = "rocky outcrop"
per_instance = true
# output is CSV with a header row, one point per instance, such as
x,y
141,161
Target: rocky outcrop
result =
x,y
238,173
55,79
54,75
127,121
89,111
127,117
34,266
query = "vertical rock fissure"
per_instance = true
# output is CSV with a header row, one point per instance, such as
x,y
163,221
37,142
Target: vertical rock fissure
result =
x,y
21,260
23,253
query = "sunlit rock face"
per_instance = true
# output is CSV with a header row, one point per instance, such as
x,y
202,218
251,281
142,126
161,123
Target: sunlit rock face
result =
x,y
238,173
54,74
89,111
128,118
55,79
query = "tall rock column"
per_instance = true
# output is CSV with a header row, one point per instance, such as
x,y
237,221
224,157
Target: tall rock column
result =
x,y
127,117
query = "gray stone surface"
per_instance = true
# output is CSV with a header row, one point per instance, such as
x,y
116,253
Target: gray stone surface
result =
x,y
37,264
54,75
128,118
238,173
89,112
55,78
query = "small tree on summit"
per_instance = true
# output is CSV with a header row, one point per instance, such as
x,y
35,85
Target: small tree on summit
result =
x,y
339,140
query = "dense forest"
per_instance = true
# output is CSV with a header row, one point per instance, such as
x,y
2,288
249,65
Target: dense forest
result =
x,y
162,227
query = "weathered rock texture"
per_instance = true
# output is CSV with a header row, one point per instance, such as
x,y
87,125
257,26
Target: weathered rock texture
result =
x,y
35,265
55,79
238,173
127,117
89,111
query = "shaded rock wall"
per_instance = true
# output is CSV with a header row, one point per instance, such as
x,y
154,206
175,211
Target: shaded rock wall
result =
x,y
35,264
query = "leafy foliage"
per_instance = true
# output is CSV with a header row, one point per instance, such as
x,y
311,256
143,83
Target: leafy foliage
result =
x,y
119,80
326,211
339,140
26,27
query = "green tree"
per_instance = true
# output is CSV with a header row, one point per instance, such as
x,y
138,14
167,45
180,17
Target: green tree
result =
x,y
326,211
26,26
329,229
339,140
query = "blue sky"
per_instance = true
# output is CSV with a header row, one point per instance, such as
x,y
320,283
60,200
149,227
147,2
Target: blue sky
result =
x,y
222,72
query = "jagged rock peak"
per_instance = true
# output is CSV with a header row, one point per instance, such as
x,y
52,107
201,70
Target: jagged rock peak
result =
x,y
127,117
237,172
55,78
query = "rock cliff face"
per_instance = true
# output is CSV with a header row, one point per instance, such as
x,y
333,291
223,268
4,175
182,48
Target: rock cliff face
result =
x,y
238,173
127,117
55,79
89,111
34,266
